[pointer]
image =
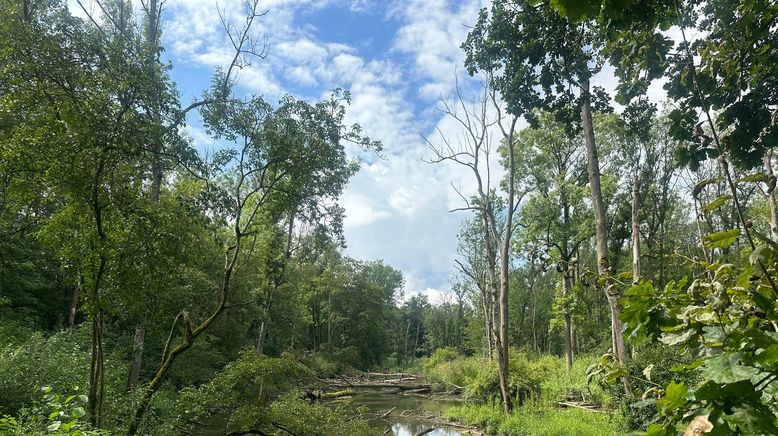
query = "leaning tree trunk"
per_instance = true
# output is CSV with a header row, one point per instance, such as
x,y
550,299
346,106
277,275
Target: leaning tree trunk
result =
x,y
601,235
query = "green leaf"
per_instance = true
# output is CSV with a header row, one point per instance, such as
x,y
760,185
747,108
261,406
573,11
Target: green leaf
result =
x,y
721,239
78,412
577,10
758,177
768,356
658,430
710,390
54,426
725,368
717,203
676,338
751,420
675,398
763,253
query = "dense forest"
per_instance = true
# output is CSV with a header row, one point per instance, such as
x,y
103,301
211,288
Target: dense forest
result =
x,y
615,272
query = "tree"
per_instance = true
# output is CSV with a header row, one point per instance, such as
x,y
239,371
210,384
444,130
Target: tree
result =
x,y
542,57
556,214
477,122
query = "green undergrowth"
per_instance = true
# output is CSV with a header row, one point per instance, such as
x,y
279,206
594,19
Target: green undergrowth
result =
x,y
535,420
541,379
537,384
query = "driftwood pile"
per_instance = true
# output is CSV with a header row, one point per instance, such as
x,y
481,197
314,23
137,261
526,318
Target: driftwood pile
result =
x,y
398,382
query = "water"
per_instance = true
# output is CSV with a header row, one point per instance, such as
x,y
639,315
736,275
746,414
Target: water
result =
x,y
377,402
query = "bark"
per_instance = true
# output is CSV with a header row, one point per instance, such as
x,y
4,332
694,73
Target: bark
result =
x,y
601,235
73,308
770,193
137,357
261,336
190,335
566,287
567,284
635,230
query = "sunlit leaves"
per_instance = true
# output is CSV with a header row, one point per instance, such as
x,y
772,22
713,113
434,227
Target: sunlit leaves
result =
x,y
722,239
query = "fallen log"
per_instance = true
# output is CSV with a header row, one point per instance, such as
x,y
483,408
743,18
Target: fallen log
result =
x,y
402,387
415,391
590,408
423,432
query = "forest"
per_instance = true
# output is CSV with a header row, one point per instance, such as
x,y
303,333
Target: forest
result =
x,y
615,270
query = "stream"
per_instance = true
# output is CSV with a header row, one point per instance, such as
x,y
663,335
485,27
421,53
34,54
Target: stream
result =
x,y
377,402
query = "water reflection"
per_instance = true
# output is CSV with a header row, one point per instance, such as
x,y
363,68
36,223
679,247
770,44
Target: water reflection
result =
x,y
397,421
411,428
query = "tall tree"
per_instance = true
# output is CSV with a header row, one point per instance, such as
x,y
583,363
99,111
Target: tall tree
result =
x,y
542,57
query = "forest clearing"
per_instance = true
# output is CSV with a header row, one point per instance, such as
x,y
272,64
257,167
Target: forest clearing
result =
x,y
345,217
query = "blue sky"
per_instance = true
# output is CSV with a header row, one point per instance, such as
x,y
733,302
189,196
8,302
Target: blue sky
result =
x,y
398,58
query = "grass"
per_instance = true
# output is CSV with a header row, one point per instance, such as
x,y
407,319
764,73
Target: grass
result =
x,y
535,420
548,382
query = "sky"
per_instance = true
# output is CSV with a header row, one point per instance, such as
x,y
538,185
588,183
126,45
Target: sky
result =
x,y
399,59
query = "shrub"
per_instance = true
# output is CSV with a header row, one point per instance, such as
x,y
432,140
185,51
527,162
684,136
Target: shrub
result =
x,y
320,365
60,361
238,397
450,369
53,414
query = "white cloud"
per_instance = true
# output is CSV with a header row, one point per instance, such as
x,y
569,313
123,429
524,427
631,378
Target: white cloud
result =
x,y
360,211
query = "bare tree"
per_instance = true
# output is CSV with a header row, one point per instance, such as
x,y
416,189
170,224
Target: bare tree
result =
x,y
478,121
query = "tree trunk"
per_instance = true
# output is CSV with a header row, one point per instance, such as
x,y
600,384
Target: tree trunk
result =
x,y
635,230
566,287
137,357
768,168
601,235
73,308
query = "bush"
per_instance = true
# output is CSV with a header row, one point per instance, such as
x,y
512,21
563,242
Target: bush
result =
x,y
448,369
649,366
53,414
560,385
60,361
320,365
237,398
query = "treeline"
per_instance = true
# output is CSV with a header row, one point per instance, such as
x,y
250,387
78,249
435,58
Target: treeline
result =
x,y
648,235
136,269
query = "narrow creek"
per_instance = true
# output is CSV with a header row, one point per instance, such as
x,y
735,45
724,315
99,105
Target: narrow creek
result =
x,y
407,416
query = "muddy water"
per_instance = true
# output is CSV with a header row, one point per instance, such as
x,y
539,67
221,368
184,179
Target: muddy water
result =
x,y
399,425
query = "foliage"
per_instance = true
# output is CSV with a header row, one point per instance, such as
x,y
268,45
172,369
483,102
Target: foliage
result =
x,y
725,321
238,396
53,414
60,362
531,421
534,420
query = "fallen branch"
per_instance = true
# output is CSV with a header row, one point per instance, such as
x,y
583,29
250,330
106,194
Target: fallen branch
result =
x,y
384,415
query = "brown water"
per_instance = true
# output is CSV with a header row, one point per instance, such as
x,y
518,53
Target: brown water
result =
x,y
377,402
